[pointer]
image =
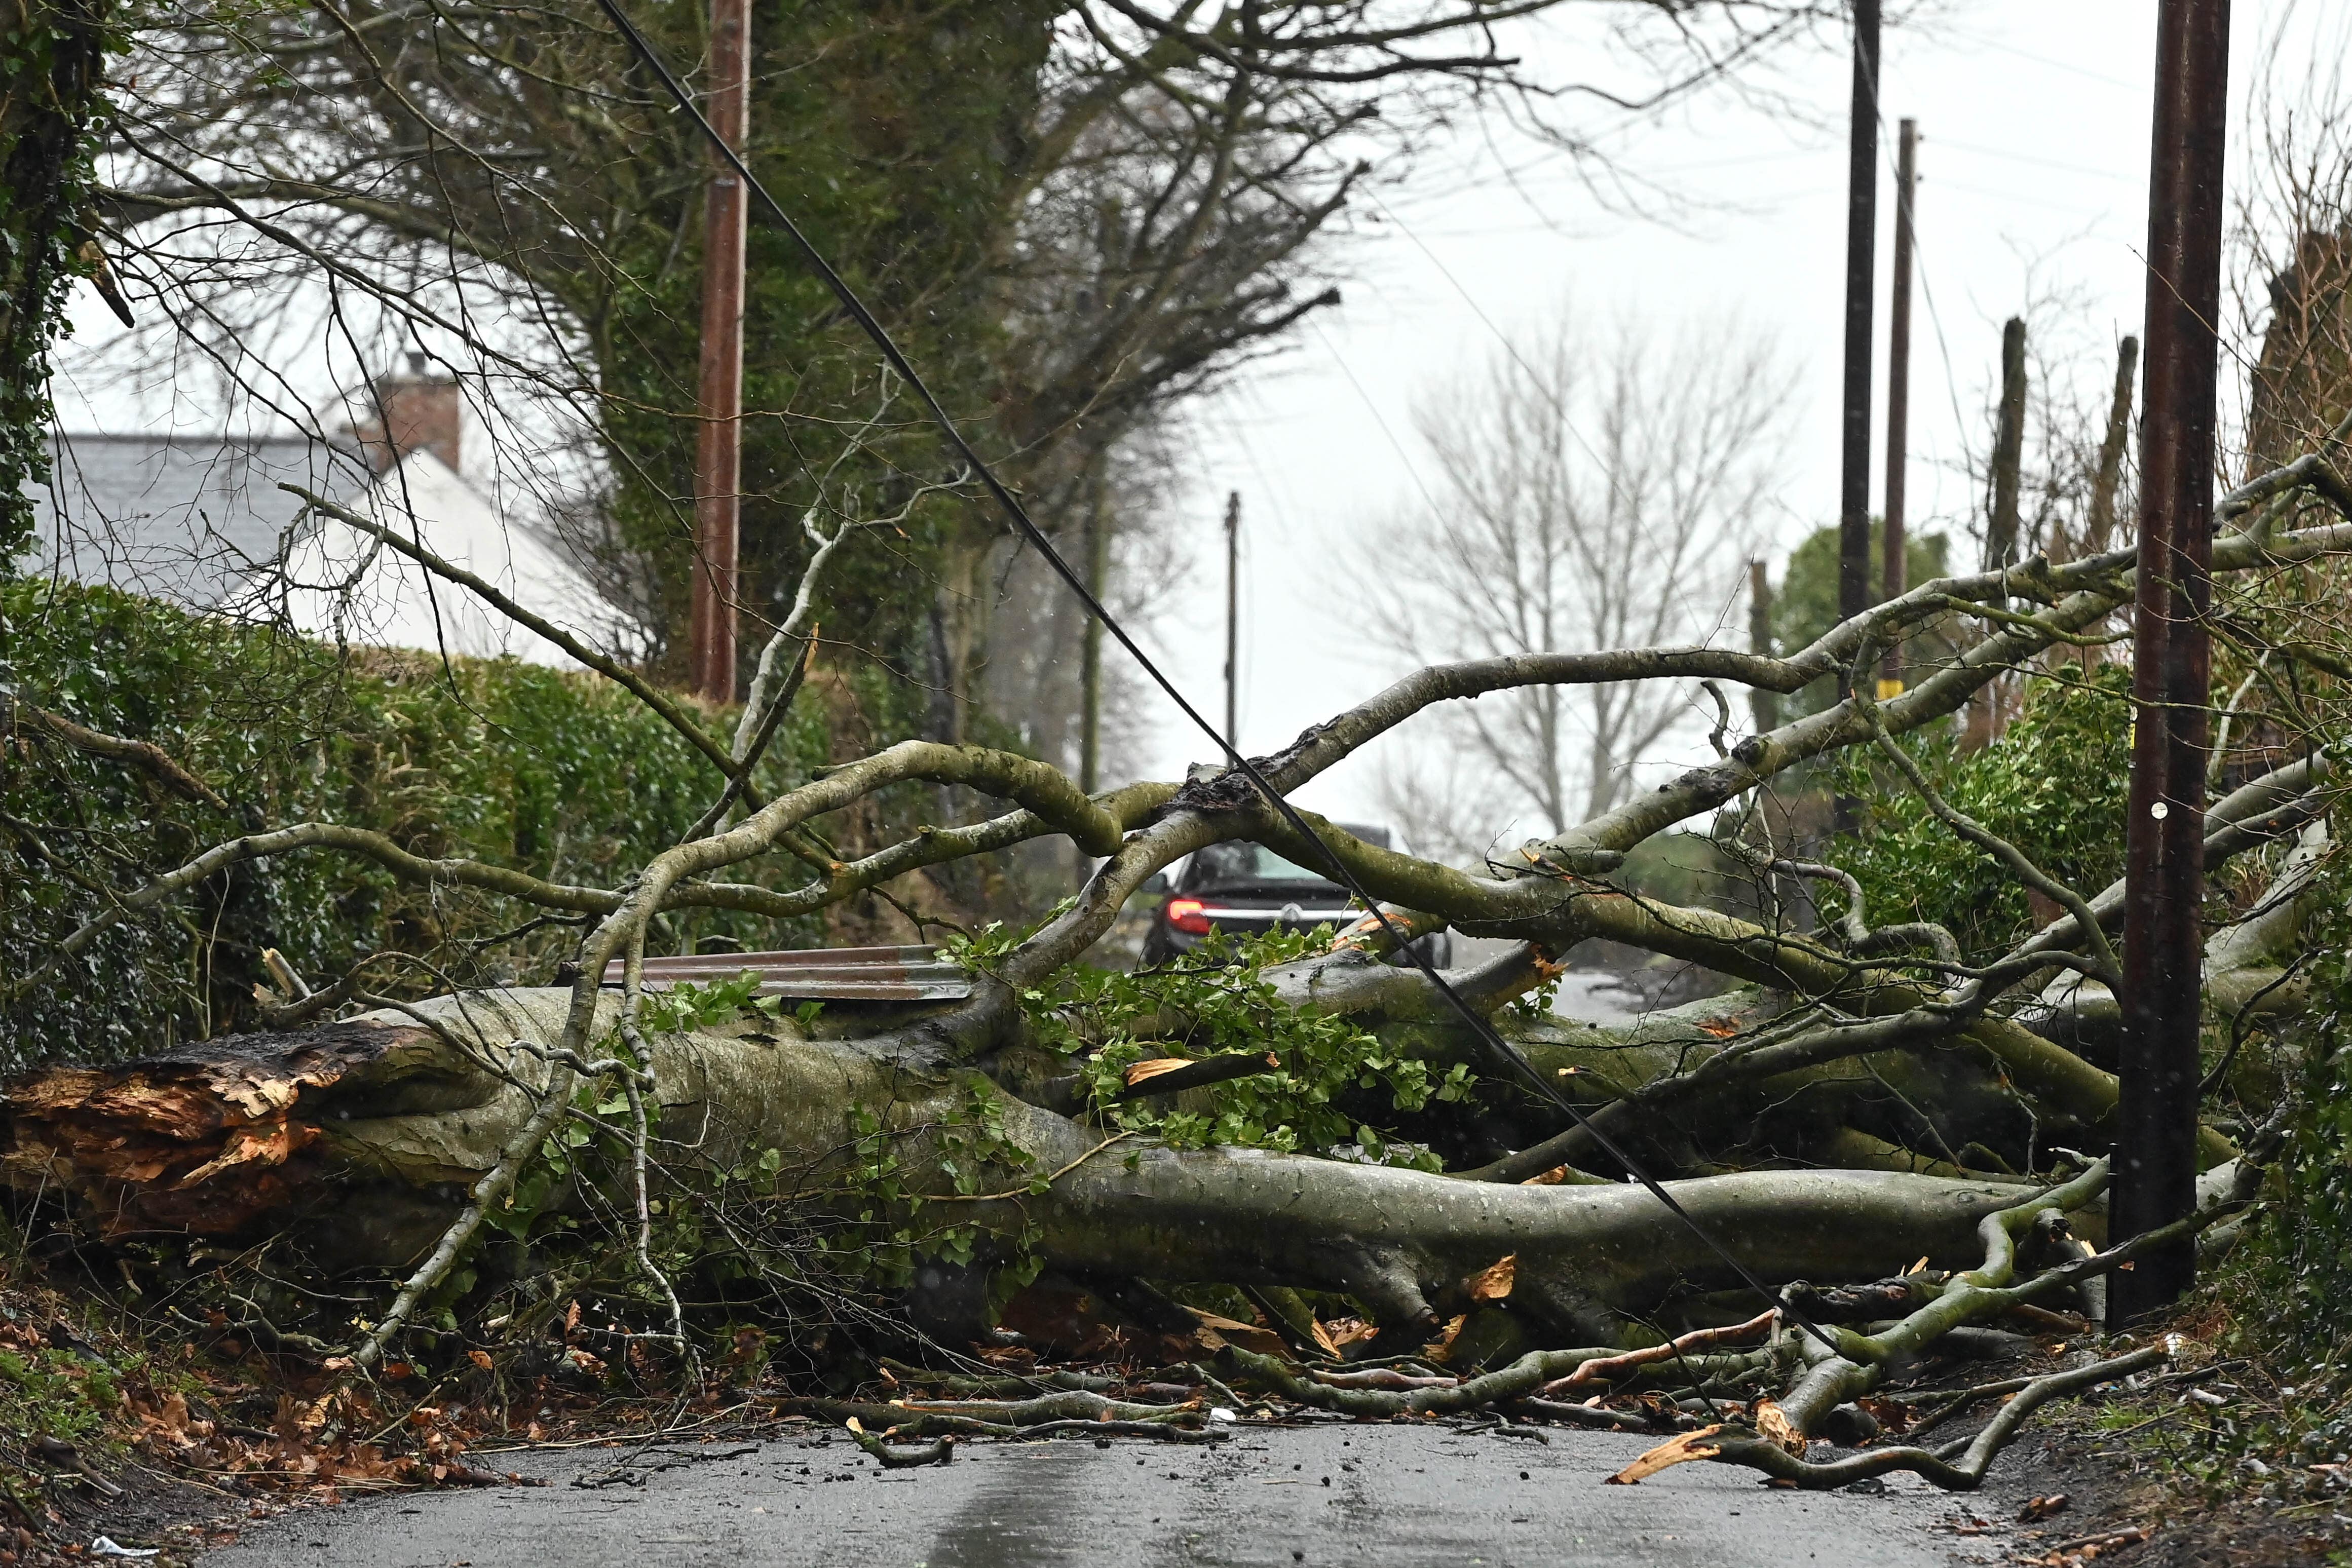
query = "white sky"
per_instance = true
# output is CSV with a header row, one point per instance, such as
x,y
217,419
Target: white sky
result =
x,y
2034,124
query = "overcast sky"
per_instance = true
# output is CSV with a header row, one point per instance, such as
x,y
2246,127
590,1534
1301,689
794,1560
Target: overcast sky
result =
x,y
2034,123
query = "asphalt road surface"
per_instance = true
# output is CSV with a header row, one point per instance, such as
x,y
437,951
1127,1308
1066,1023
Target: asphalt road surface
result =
x,y
1355,1496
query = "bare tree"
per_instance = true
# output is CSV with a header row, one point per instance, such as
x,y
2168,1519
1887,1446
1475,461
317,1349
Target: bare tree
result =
x,y
1590,491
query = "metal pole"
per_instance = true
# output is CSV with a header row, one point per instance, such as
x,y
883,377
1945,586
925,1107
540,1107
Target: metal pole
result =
x,y
2156,1118
1893,567
719,445
1861,238
1232,615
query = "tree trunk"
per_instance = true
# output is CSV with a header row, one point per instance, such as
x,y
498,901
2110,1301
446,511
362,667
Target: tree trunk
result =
x,y
50,93
359,1139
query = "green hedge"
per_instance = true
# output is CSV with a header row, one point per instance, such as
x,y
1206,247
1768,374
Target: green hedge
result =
x,y
561,774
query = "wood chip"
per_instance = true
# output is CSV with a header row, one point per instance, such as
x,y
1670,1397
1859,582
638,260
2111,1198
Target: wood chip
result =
x,y
1679,1450
1772,1424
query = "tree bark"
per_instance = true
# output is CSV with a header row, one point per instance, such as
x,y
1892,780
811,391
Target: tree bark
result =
x,y
358,1140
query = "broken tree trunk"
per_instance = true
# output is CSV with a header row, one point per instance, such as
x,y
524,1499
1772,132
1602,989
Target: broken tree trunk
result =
x,y
360,1139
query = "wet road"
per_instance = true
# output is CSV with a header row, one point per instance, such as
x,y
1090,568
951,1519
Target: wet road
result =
x,y
1395,1496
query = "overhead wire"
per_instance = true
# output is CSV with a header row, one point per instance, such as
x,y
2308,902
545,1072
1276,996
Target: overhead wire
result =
x,y
1501,1049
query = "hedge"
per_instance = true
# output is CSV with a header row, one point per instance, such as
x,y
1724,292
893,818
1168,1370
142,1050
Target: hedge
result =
x,y
556,773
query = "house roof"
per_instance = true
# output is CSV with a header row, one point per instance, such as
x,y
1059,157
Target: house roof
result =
x,y
200,520
340,582
184,518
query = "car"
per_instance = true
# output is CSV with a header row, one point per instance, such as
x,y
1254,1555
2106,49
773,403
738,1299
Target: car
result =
x,y
1246,890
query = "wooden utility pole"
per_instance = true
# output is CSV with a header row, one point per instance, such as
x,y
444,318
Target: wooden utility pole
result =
x,y
1764,705
1988,707
2164,864
2008,450
1861,240
1893,575
2099,528
718,447
1090,640
1233,616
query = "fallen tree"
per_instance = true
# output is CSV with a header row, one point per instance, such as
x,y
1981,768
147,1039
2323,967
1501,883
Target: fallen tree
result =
x,y
1869,1107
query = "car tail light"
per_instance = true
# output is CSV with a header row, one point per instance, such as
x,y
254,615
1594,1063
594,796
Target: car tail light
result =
x,y
1189,915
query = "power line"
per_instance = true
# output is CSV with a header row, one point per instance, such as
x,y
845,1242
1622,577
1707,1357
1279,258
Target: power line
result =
x,y
2055,65
2028,158
1499,1048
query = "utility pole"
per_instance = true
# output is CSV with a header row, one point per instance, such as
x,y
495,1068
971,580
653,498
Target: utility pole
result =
x,y
1090,642
1762,704
2008,450
1232,617
719,445
1893,568
2099,528
2155,1115
1988,708
1861,239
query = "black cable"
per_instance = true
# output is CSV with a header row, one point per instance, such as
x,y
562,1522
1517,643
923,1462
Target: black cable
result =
x,y
1497,1046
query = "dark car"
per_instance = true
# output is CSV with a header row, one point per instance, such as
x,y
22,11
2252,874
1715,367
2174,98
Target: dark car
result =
x,y
1245,890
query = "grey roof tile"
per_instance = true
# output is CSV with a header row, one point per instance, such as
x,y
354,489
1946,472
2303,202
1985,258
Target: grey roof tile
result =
x,y
184,518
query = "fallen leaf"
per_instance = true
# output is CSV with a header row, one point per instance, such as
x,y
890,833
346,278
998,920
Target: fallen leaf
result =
x,y
1552,1178
1323,1340
1493,1282
1215,1332
1892,1414
1722,1028
481,1358
1437,1349
1675,1451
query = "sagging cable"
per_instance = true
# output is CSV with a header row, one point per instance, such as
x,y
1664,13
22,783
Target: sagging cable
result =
x,y
1496,1047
